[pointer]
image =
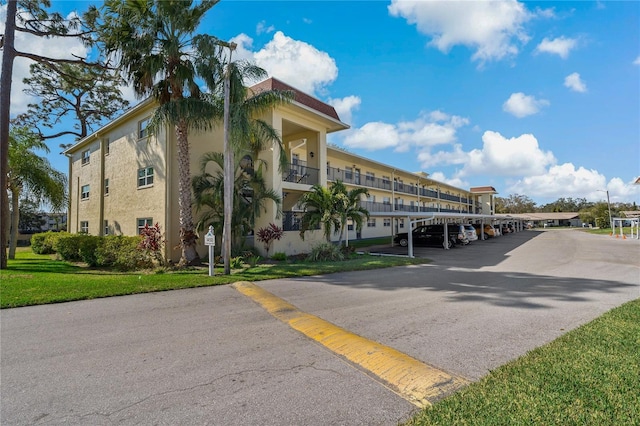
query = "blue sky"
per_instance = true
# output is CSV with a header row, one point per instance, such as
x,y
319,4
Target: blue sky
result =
x,y
534,98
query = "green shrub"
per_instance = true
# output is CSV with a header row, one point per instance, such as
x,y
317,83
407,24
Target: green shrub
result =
x,y
236,262
87,246
68,247
122,253
279,256
325,252
45,242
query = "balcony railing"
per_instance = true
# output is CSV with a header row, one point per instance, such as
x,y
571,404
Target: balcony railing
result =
x,y
301,173
291,220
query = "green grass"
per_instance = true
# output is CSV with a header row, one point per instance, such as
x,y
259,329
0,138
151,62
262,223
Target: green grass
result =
x,y
33,279
590,376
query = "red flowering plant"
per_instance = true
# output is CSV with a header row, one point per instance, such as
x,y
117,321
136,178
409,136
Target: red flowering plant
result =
x,y
268,235
152,242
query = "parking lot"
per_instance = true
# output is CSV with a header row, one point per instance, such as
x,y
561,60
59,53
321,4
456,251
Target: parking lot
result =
x,y
213,356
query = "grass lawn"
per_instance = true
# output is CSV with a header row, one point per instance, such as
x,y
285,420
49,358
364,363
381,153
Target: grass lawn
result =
x,y
590,376
33,279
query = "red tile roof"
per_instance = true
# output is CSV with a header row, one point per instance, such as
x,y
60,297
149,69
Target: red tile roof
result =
x,y
483,189
301,97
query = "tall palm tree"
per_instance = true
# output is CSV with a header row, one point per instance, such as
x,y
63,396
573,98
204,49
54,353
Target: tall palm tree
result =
x,y
159,52
32,174
248,134
320,210
252,195
349,208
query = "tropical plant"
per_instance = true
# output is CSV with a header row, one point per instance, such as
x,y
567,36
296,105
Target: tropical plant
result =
x,y
247,134
268,235
325,252
319,211
32,174
250,202
349,208
162,56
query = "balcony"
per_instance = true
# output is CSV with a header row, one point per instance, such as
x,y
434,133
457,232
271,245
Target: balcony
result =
x,y
301,173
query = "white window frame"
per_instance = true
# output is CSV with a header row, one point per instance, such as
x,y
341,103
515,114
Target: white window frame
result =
x,y
142,221
145,178
86,157
84,195
84,226
106,186
371,223
106,227
386,222
143,125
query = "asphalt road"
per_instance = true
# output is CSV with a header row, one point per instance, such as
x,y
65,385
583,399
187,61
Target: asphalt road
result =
x,y
213,356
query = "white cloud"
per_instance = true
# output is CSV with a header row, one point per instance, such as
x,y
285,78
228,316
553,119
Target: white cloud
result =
x,y
575,83
298,63
345,107
426,131
262,27
59,48
457,182
494,29
560,46
457,156
522,105
563,180
637,61
500,156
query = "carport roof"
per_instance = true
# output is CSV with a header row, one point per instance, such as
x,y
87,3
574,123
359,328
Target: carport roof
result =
x,y
441,215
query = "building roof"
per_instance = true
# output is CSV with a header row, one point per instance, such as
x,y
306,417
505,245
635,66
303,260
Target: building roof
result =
x,y
546,215
483,190
637,182
300,97
631,213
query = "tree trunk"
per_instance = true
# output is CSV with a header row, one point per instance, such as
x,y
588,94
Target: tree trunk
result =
x,y
8,54
189,255
15,220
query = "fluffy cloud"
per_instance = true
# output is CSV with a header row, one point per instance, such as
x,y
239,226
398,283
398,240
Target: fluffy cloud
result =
x,y
262,27
522,105
494,29
457,182
345,107
563,180
500,156
426,131
298,63
560,46
637,61
59,48
575,83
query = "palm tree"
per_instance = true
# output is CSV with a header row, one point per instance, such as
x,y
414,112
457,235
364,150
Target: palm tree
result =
x,y
248,135
320,210
159,53
250,187
32,174
348,205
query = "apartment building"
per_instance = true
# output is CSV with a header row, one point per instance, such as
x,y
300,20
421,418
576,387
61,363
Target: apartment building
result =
x,y
121,178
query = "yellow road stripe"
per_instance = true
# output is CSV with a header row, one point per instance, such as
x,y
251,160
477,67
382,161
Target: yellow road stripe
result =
x,y
414,380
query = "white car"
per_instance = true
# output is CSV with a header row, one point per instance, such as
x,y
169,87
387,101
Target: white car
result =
x,y
470,232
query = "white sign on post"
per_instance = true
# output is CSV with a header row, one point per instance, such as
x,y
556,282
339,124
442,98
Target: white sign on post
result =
x,y
210,240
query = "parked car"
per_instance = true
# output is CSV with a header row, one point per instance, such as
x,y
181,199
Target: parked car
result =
x,y
470,232
489,231
433,235
504,229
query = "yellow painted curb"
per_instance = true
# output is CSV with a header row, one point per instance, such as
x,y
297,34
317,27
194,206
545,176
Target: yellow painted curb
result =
x,y
414,380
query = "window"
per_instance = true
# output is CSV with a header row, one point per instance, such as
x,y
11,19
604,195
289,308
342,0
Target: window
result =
x,y
84,192
385,180
386,222
106,227
371,223
143,131
106,187
386,200
295,159
370,177
107,146
86,157
145,177
348,173
142,222
371,198
84,226
401,223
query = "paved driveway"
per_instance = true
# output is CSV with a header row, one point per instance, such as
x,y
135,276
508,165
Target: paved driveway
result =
x,y
213,356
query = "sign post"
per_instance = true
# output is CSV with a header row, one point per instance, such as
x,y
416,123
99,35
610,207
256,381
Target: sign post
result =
x,y
210,241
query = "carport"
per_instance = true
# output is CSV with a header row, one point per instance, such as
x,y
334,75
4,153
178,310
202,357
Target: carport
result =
x,y
414,218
